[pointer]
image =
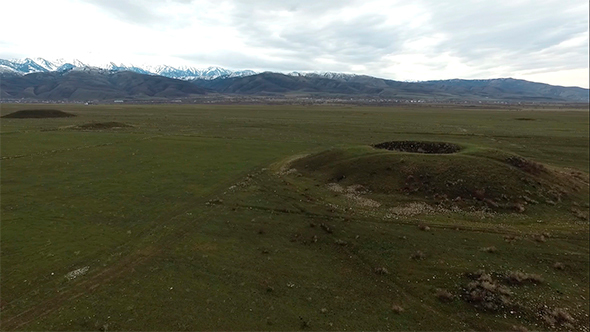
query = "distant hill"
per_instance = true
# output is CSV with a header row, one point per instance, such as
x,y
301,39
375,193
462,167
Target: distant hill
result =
x,y
506,89
92,84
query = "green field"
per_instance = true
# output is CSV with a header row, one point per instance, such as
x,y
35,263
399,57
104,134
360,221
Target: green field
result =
x,y
199,217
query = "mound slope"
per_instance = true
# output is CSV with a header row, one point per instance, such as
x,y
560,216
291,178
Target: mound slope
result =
x,y
472,177
38,114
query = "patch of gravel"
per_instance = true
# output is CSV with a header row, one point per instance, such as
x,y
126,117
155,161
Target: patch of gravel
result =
x,y
354,193
77,273
412,209
420,208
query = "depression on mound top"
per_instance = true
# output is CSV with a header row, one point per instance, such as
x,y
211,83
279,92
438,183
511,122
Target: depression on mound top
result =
x,y
419,147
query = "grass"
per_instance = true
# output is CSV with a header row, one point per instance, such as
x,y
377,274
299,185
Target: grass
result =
x,y
185,221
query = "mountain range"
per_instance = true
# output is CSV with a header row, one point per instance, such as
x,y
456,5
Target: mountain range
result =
x,y
94,84
40,65
320,85
40,79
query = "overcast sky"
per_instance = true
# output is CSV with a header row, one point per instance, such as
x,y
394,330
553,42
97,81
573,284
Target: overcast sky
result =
x,y
543,41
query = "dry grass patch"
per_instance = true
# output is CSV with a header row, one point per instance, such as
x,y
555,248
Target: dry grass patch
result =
x,y
519,328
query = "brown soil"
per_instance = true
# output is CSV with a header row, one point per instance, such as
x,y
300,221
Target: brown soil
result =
x,y
38,114
419,147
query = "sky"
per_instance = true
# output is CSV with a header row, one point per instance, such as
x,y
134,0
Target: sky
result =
x,y
541,40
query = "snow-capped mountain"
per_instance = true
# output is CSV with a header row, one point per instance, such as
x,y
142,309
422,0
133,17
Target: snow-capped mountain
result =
x,y
325,74
28,65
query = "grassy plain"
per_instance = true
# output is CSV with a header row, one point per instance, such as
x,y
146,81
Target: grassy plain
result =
x,y
188,221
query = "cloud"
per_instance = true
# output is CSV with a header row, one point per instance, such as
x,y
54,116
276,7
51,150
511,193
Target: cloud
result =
x,y
422,39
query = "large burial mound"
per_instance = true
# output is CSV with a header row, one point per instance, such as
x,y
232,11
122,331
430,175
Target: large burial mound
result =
x,y
103,125
448,174
38,114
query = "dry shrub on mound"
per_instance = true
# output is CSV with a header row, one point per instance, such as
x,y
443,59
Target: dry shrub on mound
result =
x,y
444,295
485,293
520,278
418,255
490,250
423,227
557,316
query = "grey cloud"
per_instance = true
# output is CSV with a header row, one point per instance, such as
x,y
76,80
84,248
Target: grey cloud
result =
x,y
128,10
238,60
515,31
490,37
479,33
142,12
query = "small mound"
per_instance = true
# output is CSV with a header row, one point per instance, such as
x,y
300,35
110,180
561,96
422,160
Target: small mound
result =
x,y
419,147
38,114
103,125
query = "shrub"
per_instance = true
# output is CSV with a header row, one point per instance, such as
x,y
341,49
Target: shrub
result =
x,y
486,294
418,255
326,228
444,295
519,278
423,227
397,309
490,250
557,316
511,238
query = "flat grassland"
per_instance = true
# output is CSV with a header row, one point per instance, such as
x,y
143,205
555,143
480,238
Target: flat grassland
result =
x,y
192,217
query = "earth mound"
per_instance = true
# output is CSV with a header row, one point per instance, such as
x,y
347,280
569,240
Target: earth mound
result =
x,y
103,125
447,174
419,147
38,114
